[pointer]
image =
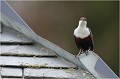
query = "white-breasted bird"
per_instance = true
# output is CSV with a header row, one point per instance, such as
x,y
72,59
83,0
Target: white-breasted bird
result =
x,y
83,37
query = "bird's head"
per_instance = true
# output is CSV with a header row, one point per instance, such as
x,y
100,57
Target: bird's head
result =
x,y
82,22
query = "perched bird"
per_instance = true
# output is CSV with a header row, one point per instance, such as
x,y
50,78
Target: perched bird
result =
x,y
83,37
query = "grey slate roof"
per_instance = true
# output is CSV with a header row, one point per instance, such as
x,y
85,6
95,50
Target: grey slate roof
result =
x,y
22,58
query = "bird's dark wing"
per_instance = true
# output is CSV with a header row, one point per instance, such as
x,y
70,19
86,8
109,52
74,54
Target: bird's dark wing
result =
x,y
91,40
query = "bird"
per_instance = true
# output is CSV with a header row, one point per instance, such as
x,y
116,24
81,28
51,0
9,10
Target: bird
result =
x,y
83,37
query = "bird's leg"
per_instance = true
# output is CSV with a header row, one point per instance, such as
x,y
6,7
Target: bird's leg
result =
x,y
80,52
86,52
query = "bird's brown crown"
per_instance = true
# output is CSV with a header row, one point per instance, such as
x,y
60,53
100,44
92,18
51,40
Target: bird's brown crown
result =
x,y
83,18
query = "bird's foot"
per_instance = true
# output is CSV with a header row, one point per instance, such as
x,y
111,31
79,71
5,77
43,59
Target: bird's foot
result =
x,y
77,56
86,52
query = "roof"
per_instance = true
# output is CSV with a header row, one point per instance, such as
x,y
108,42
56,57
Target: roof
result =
x,y
24,58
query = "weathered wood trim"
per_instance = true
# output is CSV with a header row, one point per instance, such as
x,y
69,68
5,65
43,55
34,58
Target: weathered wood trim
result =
x,y
15,43
12,36
35,62
61,73
26,51
11,72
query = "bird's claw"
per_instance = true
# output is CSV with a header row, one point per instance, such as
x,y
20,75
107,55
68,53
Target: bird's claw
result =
x,y
86,52
77,56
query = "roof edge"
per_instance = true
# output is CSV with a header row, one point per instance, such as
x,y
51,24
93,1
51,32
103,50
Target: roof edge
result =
x,y
36,38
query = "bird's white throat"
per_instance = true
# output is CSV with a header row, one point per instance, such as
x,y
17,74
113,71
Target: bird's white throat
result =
x,y
81,31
